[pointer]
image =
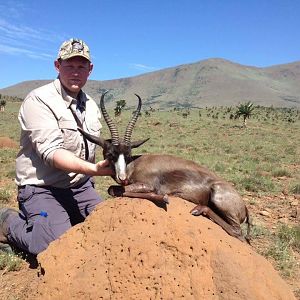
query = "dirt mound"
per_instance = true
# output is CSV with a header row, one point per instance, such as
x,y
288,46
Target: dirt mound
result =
x,y
6,142
132,249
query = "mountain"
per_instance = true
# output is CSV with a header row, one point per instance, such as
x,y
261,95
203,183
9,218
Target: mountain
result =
x,y
211,82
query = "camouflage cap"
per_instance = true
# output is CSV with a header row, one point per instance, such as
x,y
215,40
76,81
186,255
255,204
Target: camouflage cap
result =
x,y
74,47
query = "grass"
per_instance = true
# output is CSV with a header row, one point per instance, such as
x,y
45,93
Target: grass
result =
x,y
257,183
290,236
5,195
283,257
258,231
7,163
281,172
10,262
286,240
295,189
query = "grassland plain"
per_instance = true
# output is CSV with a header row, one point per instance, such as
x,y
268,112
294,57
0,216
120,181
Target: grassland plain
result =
x,y
261,160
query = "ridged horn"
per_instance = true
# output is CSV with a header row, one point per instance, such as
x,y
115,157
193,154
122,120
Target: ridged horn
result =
x,y
111,125
130,126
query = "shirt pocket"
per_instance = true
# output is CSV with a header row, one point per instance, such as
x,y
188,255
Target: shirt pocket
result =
x,y
71,136
94,128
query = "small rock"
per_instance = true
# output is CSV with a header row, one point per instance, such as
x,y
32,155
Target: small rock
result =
x,y
294,203
264,213
283,220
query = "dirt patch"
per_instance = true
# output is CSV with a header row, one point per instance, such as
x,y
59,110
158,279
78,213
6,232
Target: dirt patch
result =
x,y
18,285
6,142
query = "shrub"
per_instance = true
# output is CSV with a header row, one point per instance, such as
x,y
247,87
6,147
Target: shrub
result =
x,y
281,173
10,262
5,196
296,189
257,183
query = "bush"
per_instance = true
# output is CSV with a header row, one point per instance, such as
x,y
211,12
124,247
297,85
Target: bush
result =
x,y
296,189
5,196
281,173
10,262
257,183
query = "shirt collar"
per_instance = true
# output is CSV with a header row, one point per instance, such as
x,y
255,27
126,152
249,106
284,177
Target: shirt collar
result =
x,y
68,99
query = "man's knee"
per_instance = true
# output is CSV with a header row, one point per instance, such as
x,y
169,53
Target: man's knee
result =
x,y
43,233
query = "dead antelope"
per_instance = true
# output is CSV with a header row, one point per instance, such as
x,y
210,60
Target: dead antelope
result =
x,y
155,176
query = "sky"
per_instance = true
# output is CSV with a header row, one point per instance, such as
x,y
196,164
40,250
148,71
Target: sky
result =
x,y
133,37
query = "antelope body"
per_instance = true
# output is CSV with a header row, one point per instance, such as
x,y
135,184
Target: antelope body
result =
x,y
157,176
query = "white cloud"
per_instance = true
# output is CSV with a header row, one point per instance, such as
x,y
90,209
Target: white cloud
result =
x,y
142,67
21,39
9,30
12,8
21,51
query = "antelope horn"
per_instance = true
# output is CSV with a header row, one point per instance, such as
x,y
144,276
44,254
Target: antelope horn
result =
x,y
128,132
111,125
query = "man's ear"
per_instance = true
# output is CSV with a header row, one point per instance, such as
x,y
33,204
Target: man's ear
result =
x,y
56,65
91,68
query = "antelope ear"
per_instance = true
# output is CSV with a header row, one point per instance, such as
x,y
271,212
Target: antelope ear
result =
x,y
93,139
138,143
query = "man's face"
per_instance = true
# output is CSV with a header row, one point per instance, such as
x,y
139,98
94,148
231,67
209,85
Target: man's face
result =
x,y
73,73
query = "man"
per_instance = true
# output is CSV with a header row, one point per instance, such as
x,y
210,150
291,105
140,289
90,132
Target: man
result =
x,y
55,163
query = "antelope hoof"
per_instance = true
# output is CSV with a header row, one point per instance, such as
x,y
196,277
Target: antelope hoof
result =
x,y
199,210
115,191
166,199
196,212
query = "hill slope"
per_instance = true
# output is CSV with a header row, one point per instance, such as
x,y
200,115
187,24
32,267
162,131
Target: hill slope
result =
x,y
211,82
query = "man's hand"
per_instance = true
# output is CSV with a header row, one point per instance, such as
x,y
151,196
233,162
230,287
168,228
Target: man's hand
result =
x,y
103,168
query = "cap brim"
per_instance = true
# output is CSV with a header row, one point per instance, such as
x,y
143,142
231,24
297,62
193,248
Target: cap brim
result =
x,y
73,55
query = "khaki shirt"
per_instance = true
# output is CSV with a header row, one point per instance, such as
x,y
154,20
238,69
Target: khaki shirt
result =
x,y
48,124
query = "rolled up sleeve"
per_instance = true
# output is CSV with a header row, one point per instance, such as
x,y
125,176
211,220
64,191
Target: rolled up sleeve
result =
x,y
41,127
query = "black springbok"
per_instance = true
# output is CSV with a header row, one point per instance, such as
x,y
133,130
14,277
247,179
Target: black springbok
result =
x,y
157,176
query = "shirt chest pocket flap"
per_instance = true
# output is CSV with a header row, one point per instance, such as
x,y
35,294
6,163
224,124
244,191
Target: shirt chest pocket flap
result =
x,y
94,128
70,134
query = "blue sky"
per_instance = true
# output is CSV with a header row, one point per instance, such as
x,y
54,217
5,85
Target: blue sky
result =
x,y
132,37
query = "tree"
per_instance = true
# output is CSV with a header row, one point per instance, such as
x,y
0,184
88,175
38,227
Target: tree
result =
x,y
246,111
2,104
119,107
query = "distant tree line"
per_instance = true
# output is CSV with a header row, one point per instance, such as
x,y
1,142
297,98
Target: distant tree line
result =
x,y
10,98
5,98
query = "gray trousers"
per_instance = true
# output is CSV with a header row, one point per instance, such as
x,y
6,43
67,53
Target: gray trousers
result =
x,y
47,212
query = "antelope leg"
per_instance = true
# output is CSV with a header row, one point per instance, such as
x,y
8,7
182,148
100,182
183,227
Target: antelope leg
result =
x,y
206,211
139,187
137,190
149,196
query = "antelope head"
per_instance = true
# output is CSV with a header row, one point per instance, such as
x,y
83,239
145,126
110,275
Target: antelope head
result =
x,y
116,150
